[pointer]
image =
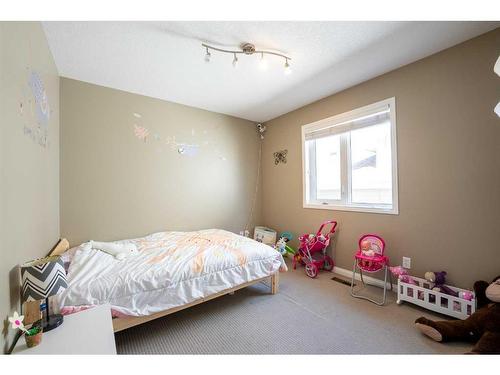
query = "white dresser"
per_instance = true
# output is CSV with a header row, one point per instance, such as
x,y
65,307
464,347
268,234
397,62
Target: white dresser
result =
x,y
86,332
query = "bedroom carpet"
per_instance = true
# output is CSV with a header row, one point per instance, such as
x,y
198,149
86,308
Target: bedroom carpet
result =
x,y
306,317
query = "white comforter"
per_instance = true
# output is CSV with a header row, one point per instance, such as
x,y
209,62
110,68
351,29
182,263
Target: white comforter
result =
x,y
170,269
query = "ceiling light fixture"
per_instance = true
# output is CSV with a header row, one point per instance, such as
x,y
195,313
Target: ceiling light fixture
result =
x,y
262,62
207,56
249,49
288,69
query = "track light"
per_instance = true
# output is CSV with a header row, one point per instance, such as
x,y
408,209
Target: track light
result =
x,y
248,49
288,69
263,62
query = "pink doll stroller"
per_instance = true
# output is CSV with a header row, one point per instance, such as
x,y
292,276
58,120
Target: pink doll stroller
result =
x,y
312,251
370,258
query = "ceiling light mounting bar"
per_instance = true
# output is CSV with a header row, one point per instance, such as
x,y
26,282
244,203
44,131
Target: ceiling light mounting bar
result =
x,y
247,49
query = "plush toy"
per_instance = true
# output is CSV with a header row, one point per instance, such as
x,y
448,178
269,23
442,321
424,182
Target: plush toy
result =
x,y
321,238
482,327
402,274
281,246
119,251
466,295
438,280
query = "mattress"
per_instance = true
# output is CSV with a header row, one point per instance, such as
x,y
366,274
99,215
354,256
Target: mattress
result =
x,y
171,269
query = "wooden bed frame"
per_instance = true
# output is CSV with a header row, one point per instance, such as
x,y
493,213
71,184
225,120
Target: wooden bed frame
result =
x,y
119,324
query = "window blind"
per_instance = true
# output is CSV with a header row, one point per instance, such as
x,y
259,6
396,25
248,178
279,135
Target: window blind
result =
x,y
375,118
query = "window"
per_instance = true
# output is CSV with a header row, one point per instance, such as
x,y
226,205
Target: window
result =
x,y
350,160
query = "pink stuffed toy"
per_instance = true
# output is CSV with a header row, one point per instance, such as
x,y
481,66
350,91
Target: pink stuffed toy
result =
x,y
466,295
402,274
438,280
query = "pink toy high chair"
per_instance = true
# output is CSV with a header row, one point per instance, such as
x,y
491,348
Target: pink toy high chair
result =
x,y
370,263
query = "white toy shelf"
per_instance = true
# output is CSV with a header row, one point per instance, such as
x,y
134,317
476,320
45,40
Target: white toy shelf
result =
x,y
422,295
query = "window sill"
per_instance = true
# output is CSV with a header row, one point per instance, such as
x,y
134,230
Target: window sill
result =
x,y
373,210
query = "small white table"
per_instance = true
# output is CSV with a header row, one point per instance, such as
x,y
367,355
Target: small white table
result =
x,y
86,332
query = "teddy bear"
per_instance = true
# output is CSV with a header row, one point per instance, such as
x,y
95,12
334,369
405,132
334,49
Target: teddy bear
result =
x,y
482,327
438,280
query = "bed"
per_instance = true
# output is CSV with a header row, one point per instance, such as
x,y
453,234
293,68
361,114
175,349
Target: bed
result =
x,y
170,272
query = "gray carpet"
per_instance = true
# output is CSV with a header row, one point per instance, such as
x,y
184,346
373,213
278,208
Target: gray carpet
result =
x,y
306,317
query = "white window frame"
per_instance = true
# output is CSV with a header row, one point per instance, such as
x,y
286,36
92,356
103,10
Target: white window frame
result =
x,y
345,203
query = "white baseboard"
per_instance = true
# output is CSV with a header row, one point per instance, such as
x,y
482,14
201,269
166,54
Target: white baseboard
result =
x,y
368,279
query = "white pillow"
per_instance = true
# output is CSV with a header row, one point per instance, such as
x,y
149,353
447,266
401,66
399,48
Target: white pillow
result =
x,y
68,255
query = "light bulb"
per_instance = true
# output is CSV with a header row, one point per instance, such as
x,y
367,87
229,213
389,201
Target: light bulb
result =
x,y
235,61
263,62
207,56
288,69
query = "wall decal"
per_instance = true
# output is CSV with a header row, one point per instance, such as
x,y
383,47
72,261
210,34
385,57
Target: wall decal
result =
x,y
137,115
220,155
141,132
280,157
185,147
188,150
171,141
34,108
41,99
29,132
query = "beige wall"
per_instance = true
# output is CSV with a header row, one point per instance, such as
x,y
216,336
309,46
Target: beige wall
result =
x,y
29,172
449,165
115,186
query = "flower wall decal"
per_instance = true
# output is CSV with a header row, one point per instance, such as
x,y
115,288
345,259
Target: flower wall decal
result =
x,y
280,157
141,132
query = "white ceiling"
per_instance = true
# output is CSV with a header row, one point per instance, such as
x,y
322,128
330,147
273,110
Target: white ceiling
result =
x,y
165,59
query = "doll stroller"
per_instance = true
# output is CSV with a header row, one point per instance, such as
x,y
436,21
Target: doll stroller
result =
x,y
312,251
376,261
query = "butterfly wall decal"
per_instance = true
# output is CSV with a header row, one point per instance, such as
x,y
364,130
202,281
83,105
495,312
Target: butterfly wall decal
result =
x,y
280,157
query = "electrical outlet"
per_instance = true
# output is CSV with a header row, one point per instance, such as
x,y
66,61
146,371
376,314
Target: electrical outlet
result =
x,y
406,262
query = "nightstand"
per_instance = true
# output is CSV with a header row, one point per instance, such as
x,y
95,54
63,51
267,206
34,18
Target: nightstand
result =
x,y
86,332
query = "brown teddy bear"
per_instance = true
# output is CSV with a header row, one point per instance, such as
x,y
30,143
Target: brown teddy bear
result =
x,y
482,327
